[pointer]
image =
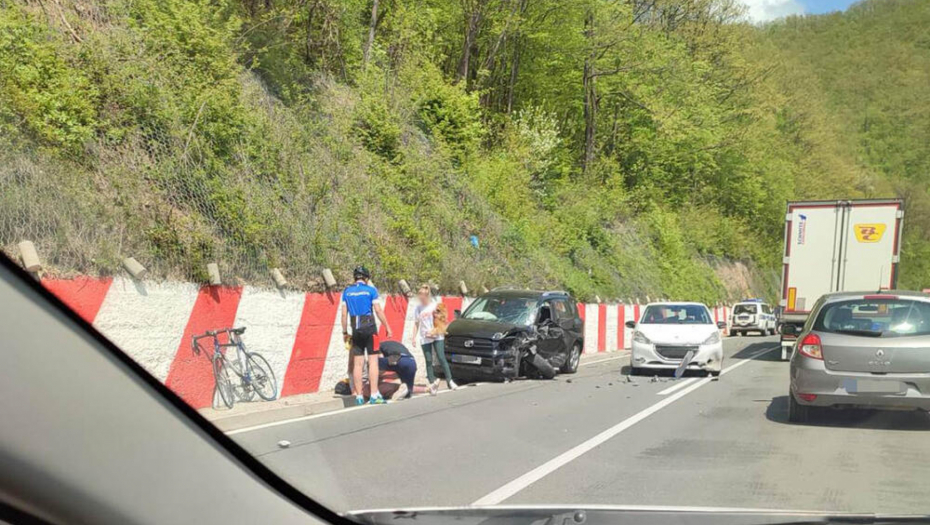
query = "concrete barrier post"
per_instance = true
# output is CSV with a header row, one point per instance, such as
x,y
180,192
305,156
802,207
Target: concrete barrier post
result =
x,y
136,270
27,250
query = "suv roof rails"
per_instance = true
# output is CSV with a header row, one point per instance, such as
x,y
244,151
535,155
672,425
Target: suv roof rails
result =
x,y
555,292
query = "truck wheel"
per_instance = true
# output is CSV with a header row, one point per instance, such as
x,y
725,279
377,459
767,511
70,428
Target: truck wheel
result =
x,y
732,333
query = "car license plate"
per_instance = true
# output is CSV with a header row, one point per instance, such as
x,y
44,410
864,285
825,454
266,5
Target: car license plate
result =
x,y
466,359
873,386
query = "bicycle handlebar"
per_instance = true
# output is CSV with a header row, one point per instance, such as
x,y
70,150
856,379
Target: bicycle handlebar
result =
x,y
214,333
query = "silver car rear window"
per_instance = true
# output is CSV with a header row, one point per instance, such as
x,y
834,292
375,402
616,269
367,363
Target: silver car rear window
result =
x,y
875,317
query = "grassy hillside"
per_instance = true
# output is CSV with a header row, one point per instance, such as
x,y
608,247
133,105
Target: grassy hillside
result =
x,y
610,148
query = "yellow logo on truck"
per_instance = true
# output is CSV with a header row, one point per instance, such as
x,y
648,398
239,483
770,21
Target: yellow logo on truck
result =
x,y
869,232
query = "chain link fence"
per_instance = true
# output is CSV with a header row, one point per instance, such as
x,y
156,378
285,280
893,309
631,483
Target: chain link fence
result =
x,y
162,197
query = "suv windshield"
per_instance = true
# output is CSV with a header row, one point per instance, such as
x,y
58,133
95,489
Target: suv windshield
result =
x,y
513,310
890,317
745,309
676,314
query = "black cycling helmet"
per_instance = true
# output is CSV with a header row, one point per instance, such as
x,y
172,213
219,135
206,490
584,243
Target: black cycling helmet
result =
x,y
360,272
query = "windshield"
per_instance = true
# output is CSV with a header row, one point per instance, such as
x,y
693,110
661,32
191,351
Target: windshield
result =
x,y
875,317
676,314
512,310
430,253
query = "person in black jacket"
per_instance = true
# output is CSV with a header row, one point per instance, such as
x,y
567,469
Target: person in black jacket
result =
x,y
396,358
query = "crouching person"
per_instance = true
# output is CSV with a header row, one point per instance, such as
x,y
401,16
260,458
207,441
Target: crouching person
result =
x,y
396,358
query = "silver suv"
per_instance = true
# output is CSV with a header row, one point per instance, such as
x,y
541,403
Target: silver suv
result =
x,y
867,350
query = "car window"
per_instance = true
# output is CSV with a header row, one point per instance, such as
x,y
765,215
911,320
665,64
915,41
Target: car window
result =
x,y
275,203
875,317
745,309
676,314
560,309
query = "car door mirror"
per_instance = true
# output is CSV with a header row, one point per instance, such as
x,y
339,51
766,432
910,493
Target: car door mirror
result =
x,y
458,313
630,324
721,325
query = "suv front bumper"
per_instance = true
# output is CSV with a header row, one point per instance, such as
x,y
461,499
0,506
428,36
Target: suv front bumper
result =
x,y
500,365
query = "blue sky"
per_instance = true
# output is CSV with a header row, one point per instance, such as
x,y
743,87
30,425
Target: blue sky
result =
x,y
764,10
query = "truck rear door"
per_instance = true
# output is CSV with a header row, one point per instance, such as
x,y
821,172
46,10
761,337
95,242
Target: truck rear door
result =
x,y
812,233
870,246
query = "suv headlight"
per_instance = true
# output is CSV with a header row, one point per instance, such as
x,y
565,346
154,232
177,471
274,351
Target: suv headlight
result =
x,y
640,338
713,339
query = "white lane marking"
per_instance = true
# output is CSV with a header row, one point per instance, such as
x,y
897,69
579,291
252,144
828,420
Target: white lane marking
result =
x,y
333,413
625,353
570,455
677,386
349,409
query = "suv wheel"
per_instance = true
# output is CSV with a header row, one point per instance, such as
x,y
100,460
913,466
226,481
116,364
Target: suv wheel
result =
x,y
574,358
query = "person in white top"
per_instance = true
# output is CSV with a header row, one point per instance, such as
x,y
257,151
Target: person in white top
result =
x,y
431,339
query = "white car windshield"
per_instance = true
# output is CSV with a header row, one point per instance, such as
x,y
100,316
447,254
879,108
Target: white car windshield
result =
x,y
676,314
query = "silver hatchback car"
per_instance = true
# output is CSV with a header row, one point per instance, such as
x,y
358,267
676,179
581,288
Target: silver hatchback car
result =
x,y
867,350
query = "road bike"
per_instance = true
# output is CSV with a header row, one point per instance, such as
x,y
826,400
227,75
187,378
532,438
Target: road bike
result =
x,y
253,372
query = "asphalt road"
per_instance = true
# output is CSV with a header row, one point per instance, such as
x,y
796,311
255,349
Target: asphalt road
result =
x,y
595,438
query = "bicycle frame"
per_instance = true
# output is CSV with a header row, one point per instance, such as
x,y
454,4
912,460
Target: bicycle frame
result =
x,y
252,377
234,340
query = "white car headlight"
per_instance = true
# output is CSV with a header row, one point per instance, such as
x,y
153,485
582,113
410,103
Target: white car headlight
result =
x,y
713,339
640,338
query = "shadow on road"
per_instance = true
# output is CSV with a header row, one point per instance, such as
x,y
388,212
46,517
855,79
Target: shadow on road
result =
x,y
754,348
777,412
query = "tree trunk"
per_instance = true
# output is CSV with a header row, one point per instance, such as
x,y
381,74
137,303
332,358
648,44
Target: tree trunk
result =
x,y
472,21
590,95
366,54
514,69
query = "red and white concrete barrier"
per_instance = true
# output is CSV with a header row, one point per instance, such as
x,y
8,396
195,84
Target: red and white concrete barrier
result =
x,y
298,333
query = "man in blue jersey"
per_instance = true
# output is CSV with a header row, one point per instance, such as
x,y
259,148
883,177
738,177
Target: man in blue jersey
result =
x,y
360,306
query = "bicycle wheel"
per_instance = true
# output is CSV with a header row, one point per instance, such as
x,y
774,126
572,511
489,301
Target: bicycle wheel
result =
x,y
223,381
263,382
243,388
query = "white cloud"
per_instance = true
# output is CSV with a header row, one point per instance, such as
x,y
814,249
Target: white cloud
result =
x,y
765,10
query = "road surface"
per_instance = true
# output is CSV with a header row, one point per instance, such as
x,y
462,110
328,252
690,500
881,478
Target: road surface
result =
x,y
596,438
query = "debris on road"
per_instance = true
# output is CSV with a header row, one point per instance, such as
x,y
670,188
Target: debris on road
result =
x,y
284,443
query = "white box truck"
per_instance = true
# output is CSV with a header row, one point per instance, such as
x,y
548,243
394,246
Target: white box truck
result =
x,y
836,246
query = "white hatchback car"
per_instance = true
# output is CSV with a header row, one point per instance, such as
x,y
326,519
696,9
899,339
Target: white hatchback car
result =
x,y
667,333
